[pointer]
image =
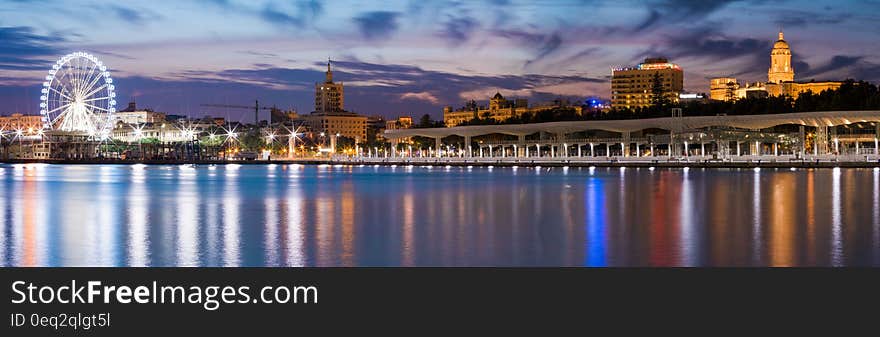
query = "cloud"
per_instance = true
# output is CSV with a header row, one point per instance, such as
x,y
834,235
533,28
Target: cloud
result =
x,y
424,96
803,18
837,63
221,3
294,13
457,30
377,24
839,67
256,53
304,12
550,45
679,11
545,44
708,43
280,18
653,17
130,14
311,9
573,60
23,49
117,55
800,66
866,71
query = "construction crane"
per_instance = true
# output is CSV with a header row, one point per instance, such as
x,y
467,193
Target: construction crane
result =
x,y
256,109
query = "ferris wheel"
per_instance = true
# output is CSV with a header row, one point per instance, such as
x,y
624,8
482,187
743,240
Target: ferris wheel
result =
x,y
78,95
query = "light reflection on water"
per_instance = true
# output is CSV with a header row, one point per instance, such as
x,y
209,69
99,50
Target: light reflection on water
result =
x,y
295,215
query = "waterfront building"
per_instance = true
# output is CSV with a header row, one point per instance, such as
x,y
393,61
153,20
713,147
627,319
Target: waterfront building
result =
x,y
163,132
499,109
19,121
780,79
134,116
279,116
376,122
723,88
402,122
344,124
330,117
632,87
175,118
329,96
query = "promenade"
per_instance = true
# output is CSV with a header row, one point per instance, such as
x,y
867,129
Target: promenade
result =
x,y
762,161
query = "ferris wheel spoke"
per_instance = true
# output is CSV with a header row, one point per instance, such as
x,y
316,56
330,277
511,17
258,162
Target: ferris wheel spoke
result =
x,y
86,81
95,107
66,89
61,93
95,91
60,107
74,74
79,75
60,116
88,77
92,85
96,99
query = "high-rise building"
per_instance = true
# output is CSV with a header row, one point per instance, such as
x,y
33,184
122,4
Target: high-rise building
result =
x,y
329,96
330,116
632,87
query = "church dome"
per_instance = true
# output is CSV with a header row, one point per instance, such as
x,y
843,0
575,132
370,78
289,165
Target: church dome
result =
x,y
780,44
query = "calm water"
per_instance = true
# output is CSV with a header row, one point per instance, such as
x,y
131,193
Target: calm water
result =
x,y
292,215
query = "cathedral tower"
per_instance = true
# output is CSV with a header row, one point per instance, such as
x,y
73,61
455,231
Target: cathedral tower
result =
x,y
780,62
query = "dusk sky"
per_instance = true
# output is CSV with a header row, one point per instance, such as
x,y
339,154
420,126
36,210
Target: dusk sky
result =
x,y
413,57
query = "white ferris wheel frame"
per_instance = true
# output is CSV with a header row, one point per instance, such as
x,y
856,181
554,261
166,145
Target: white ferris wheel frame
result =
x,y
79,95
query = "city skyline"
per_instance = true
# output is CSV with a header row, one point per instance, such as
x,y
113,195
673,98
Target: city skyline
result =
x,y
406,58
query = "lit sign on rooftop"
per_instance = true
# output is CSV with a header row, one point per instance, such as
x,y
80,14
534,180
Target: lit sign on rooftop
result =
x,y
655,66
649,66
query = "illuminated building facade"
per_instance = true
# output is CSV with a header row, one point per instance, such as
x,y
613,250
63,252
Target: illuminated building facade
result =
x,y
781,69
329,96
402,122
19,121
133,115
499,109
330,116
632,87
344,124
780,79
723,88
162,132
